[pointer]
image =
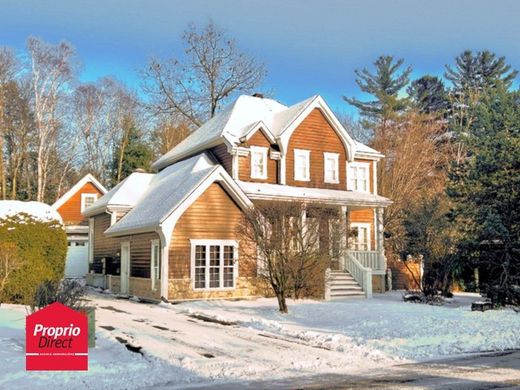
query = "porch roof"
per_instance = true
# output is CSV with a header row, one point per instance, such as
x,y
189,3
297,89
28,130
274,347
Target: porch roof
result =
x,y
265,191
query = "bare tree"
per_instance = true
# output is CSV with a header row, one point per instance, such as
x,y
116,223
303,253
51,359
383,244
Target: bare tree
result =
x,y
212,70
52,68
168,133
292,250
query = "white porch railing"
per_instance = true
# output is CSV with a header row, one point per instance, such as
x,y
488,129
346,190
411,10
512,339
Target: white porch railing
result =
x,y
361,274
368,259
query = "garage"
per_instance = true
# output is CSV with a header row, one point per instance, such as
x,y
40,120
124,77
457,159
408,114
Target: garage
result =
x,y
76,265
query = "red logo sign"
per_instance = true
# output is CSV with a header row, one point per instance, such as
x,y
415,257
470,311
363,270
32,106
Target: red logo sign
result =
x,y
56,338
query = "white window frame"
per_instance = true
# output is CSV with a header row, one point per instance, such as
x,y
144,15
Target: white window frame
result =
x,y
84,197
155,263
353,181
256,152
91,240
327,156
356,242
306,155
207,244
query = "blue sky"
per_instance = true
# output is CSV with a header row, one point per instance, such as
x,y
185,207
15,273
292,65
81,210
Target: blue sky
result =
x,y
308,46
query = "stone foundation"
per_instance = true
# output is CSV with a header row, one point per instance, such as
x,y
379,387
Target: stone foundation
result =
x,y
180,289
142,287
96,280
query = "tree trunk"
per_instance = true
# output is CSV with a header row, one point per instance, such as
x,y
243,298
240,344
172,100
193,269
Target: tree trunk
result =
x,y
282,305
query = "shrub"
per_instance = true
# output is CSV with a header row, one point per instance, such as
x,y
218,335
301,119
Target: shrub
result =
x,y
39,255
68,292
504,295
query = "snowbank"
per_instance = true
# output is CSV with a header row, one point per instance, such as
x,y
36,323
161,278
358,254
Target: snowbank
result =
x,y
40,211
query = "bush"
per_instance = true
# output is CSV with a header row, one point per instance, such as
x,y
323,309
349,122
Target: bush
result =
x,y
39,255
503,295
68,292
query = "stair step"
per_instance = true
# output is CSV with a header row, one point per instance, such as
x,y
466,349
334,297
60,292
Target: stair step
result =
x,y
344,283
347,294
348,289
342,278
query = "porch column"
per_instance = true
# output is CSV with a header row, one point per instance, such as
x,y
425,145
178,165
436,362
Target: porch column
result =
x,y
380,238
344,242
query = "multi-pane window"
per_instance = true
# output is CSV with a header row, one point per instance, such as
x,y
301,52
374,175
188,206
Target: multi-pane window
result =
x,y
87,200
302,165
361,236
258,162
155,272
331,167
214,264
358,176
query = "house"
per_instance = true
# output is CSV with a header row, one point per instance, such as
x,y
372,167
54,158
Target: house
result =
x,y
173,233
70,207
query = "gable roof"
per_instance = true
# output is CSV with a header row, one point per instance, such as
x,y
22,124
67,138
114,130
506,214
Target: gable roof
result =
x,y
172,187
88,178
241,119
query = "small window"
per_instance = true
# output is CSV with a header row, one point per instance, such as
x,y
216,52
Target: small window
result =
x,y
258,162
155,272
87,200
360,239
331,167
358,176
301,165
214,264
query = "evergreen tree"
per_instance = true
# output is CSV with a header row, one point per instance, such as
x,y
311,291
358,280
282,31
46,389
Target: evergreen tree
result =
x,y
385,85
476,72
485,192
130,154
428,95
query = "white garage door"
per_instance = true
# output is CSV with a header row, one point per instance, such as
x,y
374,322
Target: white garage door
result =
x,y
77,259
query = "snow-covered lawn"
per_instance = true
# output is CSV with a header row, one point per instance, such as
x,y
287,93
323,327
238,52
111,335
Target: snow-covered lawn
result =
x,y
180,345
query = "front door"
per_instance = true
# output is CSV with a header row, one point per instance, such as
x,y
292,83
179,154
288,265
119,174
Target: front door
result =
x,y
125,266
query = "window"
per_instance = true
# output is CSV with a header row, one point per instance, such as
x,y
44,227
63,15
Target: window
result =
x,y
301,165
258,162
358,176
87,200
360,239
331,167
214,264
155,263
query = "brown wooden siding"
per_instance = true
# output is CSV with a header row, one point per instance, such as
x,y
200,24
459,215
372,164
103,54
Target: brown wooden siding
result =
x,y
316,135
364,216
104,246
224,158
213,216
140,253
70,211
244,162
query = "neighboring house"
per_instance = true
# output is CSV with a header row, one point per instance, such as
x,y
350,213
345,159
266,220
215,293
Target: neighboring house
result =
x,y
173,234
70,206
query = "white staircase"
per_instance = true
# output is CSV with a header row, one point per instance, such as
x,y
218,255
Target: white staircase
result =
x,y
343,285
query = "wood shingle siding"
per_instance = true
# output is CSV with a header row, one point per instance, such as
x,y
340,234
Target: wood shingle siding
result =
x,y
224,158
214,216
244,171
104,246
70,211
140,253
316,135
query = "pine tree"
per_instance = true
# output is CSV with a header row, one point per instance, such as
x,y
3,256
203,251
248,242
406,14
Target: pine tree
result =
x,y
485,192
479,71
428,95
385,85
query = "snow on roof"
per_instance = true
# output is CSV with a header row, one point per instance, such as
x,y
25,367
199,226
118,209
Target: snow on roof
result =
x,y
125,194
277,191
364,149
40,211
236,121
88,178
164,193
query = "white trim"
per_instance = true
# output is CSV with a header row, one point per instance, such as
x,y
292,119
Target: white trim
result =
x,y
154,244
307,155
91,240
259,126
335,157
207,244
374,169
88,178
84,196
125,244
366,225
256,150
358,164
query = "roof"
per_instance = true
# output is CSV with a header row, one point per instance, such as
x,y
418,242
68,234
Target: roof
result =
x,y
266,191
124,195
170,188
88,178
40,211
242,117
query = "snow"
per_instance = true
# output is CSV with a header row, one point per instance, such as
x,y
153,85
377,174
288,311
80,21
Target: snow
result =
x,y
40,211
266,191
337,337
